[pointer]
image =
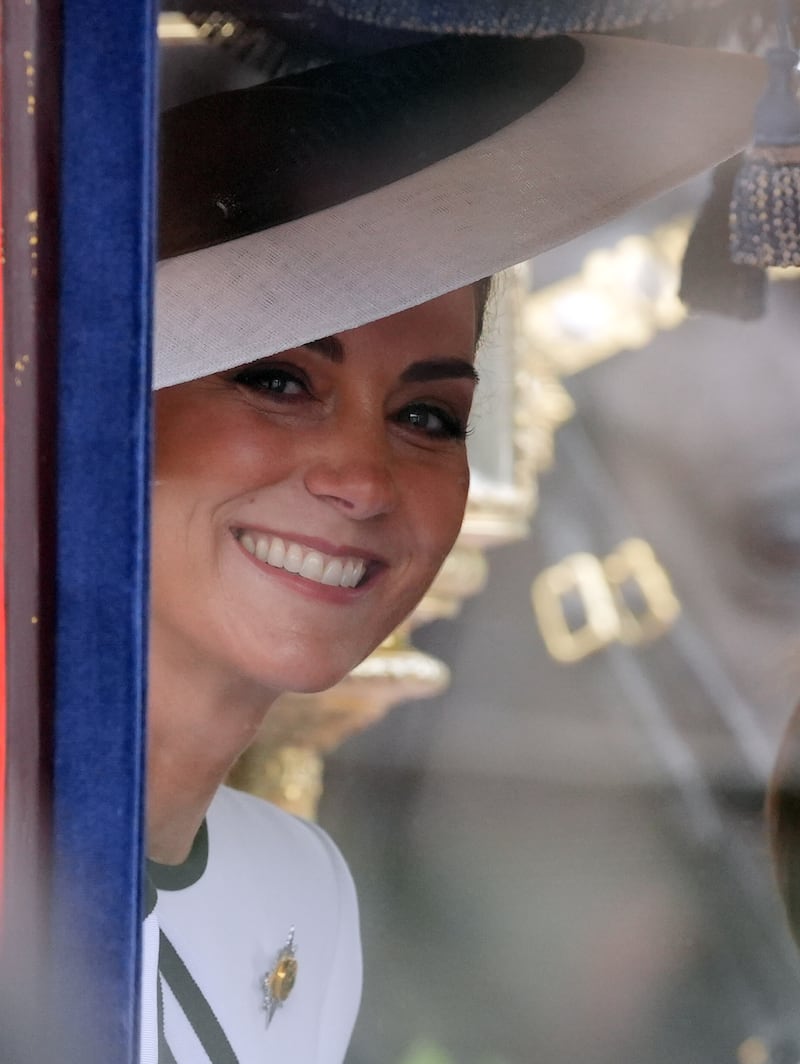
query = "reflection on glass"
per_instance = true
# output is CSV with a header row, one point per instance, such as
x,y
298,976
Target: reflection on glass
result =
x,y
569,861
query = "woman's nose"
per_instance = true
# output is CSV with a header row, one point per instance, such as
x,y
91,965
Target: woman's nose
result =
x,y
354,473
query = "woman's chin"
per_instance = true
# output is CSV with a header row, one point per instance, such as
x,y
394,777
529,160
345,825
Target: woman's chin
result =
x,y
302,662
312,682
306,678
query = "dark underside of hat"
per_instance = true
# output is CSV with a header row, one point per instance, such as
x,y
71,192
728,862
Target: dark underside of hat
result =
x,y
332,120
305,142
400,112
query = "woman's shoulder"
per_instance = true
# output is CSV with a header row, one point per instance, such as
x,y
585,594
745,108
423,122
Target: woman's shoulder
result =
x,y
271,883
245,823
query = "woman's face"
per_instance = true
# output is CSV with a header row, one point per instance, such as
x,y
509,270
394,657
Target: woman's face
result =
x,y
303,504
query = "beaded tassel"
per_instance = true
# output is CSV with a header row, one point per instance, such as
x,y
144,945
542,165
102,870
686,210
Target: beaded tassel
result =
x,y
710,282
765,206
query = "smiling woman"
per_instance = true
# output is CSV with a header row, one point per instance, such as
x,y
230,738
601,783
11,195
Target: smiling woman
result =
x,y
326,241
302,506
305,503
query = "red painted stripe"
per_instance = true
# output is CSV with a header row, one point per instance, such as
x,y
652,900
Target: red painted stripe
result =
x,y
2,582
2,579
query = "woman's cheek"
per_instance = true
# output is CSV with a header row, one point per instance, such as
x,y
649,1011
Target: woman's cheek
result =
x,y
444,506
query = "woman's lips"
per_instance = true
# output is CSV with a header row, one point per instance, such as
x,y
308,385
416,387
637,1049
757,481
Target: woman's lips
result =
x,y
346,571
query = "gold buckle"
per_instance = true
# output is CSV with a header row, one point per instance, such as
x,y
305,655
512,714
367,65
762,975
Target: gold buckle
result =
x,y
605,590
581,573
634,563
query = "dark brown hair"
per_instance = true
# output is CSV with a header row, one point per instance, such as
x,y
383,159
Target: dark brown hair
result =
x,y
483,289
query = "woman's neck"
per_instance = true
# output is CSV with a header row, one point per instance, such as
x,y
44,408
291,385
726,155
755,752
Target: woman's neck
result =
x,y
199,722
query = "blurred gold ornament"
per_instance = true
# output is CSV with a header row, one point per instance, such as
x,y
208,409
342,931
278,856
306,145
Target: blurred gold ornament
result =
x,y
585,603
621,298
753,1051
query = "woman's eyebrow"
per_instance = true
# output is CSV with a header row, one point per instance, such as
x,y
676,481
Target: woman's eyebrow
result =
x,y
329,346
439,369
430,369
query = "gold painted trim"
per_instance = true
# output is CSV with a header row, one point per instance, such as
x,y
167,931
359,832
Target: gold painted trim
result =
x,y
620,300
173,26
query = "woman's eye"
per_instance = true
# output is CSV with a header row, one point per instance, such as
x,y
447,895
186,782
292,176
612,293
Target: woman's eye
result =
x,y
273,380
434,421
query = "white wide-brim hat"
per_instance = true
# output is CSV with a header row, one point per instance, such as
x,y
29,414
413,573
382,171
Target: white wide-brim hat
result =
x,y
322,201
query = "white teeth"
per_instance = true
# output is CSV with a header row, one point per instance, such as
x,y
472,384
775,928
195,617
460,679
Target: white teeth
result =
x,y
277,552
353,571
332,575
311,564
349,573
293,561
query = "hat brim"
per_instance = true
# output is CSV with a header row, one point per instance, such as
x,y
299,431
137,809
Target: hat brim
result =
x,y
638,119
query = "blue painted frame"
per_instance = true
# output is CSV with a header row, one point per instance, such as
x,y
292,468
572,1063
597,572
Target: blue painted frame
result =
x,y
106,277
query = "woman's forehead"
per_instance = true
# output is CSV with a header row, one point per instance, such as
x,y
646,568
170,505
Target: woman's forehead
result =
x,y
445,326
436,339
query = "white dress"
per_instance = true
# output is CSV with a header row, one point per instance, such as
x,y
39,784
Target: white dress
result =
x,y
216,926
